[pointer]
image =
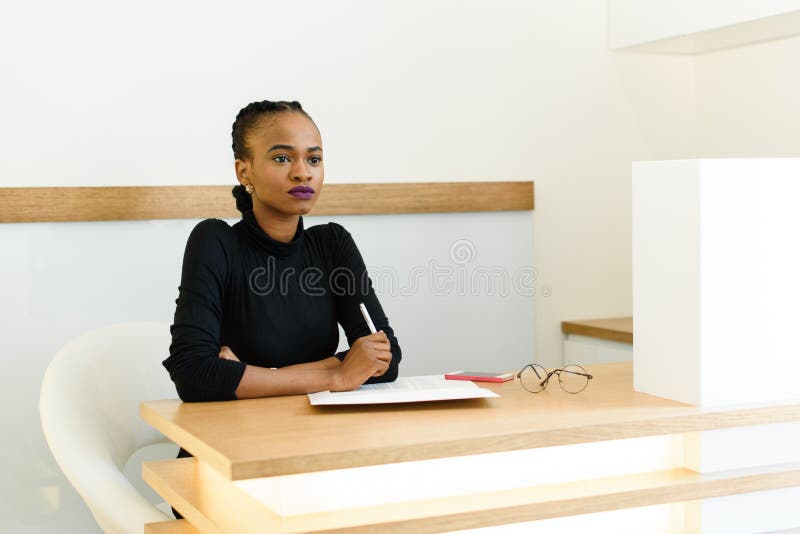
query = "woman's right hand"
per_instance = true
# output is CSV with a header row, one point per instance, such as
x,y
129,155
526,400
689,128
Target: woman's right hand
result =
x,y
369,355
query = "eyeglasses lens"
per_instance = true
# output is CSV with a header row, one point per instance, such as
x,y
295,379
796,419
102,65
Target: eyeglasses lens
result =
x,y
532,377
573,378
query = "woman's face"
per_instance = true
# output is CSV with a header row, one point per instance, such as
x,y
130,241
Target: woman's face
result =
x,y
285,168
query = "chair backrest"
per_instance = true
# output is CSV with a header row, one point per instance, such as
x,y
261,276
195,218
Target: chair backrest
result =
x,y
89,407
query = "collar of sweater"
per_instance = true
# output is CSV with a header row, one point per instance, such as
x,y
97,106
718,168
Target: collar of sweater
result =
x,y
264,241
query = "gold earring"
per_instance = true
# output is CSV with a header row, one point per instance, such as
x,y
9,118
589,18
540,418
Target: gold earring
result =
x,y
249,188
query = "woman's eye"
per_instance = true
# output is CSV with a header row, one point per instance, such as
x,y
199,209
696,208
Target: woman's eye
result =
x,y
315,160
281,159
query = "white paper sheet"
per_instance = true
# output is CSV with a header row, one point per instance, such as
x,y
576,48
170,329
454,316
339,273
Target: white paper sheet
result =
x,y
405,389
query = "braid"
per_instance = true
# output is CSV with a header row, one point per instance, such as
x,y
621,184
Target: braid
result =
x,y
249,115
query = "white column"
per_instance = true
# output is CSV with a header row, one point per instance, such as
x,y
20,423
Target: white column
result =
x,y
716,287
716,280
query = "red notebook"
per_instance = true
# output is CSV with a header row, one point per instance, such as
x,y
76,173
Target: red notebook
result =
x,y
480,377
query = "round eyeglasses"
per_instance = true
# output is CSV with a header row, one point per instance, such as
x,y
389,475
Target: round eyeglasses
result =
x,y
572,378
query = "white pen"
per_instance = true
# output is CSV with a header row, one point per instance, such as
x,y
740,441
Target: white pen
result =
x,y
367,318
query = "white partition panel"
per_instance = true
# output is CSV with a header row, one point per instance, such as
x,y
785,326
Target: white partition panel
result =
x,y
61,279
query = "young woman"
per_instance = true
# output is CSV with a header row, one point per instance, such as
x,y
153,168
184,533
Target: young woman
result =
x,y
259,301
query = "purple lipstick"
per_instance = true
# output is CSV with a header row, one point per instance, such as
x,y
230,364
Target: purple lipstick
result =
x,y
302,192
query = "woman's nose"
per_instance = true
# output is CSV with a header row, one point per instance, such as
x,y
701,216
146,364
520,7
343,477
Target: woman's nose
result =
x,y
300,171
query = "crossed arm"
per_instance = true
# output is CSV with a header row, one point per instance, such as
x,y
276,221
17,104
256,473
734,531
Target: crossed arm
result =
x,y
369,356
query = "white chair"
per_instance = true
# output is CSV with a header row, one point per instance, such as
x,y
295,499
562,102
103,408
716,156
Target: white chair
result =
x,y
89,407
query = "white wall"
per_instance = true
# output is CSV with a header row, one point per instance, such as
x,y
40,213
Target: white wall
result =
x,y
746,97
144,93
747,101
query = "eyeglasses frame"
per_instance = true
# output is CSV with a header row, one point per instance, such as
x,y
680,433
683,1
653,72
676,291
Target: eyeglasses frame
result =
x,y
558,372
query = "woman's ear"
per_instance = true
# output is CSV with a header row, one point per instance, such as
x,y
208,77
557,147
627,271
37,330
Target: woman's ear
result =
x,y
243,171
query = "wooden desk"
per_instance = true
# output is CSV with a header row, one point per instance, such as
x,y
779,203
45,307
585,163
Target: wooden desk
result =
x,y
247,439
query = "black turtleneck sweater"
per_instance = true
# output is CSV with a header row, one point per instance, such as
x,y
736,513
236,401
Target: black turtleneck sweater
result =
x,y
274,304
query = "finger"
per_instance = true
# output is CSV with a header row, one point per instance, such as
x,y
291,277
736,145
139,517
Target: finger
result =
x,y
384,356
380,345
381,369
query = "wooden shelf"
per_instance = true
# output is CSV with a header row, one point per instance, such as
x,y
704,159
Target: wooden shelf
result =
x,y
215,505
615,329
286,435
176,526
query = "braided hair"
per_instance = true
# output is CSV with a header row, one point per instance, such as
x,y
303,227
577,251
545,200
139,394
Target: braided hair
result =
x,y
247,118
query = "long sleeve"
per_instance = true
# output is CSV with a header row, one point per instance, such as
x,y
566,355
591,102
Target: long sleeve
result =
x,y
194,364
351,284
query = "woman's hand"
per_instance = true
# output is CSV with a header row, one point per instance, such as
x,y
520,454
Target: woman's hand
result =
x,y
369,356
227,354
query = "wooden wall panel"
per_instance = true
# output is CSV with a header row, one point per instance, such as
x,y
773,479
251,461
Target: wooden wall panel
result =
x,y
62,204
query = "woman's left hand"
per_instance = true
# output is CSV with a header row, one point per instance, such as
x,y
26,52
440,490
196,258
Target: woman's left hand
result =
x,y
227,354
